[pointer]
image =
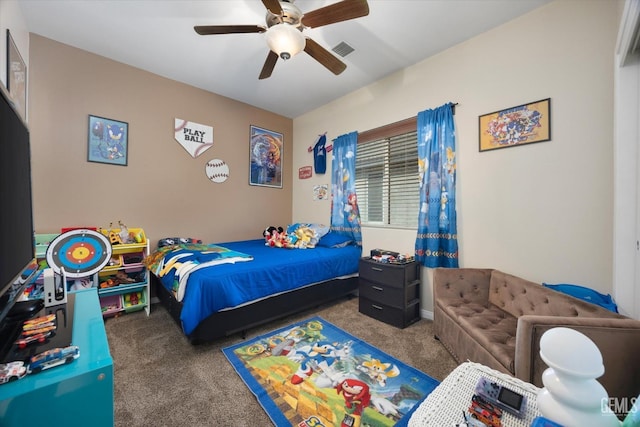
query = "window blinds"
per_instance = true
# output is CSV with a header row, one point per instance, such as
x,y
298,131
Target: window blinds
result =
x,y
387,181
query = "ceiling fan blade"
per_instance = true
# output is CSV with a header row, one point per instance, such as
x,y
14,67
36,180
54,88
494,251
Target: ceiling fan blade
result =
x,y
273,6
337,12
205,30
324,57
267,68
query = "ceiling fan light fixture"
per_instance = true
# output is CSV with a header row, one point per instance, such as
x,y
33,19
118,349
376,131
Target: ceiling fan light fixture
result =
x,y
285,40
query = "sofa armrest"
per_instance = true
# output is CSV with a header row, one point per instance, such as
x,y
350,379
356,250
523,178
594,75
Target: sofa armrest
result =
x,y
618,340
466,284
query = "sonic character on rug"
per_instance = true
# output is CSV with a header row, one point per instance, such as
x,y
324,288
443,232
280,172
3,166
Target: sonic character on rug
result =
x,y
356,398
318,357
378,371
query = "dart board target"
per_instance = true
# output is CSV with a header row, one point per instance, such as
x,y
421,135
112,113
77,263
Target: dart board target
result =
x,y
81,253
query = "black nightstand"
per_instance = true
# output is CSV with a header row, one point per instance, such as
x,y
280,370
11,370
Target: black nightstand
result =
x,y
390,292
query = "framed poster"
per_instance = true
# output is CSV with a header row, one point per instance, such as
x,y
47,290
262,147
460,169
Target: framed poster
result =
x,y
266,149
16,77
524,124
108,141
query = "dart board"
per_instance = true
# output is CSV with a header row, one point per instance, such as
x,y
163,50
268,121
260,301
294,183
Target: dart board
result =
x,y
81,253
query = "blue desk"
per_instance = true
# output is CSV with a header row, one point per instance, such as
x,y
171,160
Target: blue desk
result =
x,y
77,394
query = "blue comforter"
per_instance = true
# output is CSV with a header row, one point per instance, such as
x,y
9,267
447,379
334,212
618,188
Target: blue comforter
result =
x,y
271,271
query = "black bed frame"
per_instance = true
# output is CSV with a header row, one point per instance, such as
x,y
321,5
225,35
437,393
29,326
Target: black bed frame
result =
x,y
239,320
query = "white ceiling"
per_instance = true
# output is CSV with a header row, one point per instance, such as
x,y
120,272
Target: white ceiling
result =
x,y
158,36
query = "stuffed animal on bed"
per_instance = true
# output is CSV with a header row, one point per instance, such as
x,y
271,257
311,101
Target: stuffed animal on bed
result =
x,y
300,236
274,236
303,237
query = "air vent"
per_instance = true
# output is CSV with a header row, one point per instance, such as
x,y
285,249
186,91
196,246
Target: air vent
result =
x,y
343,49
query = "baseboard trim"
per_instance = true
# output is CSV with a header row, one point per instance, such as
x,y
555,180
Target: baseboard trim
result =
x,y
425,314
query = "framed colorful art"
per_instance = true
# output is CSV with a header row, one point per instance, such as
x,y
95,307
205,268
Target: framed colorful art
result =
x,y
266,150
108,141
520,125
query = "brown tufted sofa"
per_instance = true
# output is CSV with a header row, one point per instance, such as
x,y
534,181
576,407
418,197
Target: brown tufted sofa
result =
x,y
494,318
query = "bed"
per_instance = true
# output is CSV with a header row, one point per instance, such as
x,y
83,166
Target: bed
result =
x,y
250,285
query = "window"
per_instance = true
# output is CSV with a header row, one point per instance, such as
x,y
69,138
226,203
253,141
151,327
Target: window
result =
x,y
387,179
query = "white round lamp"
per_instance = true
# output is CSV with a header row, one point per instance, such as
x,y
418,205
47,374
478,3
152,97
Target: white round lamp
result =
x,y
571,395
285,39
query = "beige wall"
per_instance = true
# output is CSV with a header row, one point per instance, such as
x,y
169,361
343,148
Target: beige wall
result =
x,y
542,211
163,189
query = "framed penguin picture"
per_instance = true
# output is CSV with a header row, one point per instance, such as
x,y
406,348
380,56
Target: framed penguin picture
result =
x,y
266,150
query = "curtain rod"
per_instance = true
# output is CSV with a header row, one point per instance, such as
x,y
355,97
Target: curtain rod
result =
x,y
453,108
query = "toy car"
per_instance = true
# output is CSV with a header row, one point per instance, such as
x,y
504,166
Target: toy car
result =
x,y
12,371
52,358
38,331
485,412
39,322
23,342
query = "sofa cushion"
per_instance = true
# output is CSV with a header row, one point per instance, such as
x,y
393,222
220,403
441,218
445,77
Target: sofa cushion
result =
x,y
518,297
468,284
492,328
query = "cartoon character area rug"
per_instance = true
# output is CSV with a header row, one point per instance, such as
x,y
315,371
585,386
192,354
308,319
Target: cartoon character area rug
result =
x,y
313,374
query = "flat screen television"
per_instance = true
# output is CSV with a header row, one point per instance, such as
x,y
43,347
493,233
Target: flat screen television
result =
x,y
17,252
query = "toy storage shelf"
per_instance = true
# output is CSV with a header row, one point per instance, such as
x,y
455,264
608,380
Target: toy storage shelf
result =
x,y
121,289
42,243
126,268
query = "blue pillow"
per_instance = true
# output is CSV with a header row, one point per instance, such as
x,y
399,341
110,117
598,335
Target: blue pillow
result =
x,y
586,294
334,240
320,231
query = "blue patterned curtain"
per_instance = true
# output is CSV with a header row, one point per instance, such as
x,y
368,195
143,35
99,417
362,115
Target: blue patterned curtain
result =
x,y
437,239
345,216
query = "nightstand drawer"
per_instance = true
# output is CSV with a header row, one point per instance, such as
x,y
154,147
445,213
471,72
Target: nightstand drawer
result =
x,y
389,295
393,316
397,275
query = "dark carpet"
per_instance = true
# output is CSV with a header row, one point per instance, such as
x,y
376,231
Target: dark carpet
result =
x,y
160,379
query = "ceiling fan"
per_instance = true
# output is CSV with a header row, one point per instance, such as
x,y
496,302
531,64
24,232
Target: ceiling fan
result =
x,y
284,26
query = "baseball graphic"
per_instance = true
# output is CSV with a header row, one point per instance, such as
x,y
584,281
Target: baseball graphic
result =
x,y
217,170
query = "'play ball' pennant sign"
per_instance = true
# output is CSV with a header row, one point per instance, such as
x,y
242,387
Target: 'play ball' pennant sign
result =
x,y
194,137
